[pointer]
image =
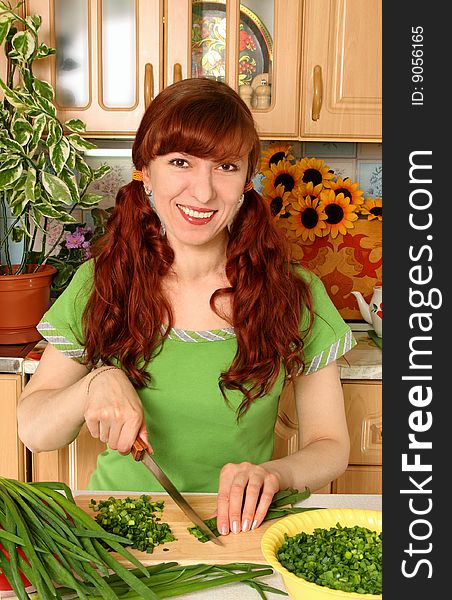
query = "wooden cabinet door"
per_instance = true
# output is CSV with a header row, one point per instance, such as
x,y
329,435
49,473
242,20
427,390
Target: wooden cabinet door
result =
x,y
359,480
281,119
363,408
342,70
12,451
73,465
108,62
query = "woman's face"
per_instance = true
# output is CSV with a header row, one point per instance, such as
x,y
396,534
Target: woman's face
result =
x,y
196,198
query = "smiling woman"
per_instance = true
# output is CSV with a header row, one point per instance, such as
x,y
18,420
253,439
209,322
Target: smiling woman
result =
x,y
187,321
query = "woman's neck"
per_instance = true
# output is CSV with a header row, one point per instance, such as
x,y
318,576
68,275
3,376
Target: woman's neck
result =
x,y
193,263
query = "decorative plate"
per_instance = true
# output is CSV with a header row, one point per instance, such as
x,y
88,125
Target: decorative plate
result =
x,y
209,42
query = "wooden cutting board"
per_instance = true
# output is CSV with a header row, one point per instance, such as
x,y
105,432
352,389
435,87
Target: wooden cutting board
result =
x,y
187,549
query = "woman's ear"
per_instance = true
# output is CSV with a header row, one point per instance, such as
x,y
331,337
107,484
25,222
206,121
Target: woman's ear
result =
x,y
146,179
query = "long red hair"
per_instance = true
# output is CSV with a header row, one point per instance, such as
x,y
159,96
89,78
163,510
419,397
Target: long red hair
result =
x,y
128,316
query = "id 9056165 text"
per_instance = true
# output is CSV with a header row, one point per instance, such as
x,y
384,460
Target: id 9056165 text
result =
x,y
417,62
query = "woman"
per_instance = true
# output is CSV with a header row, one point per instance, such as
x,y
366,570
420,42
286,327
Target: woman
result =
x,y
187,322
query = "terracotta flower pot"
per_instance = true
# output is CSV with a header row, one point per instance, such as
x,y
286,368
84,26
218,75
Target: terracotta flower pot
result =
x,y
23,301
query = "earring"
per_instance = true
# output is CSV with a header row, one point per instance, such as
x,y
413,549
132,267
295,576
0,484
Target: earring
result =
x,y
152,204
239,204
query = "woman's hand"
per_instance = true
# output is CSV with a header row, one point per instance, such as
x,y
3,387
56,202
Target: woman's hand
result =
x,y
113,410
245,492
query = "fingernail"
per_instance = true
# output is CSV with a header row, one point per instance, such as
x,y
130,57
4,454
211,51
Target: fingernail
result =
x,y
245,525
235,527
224,530
254,525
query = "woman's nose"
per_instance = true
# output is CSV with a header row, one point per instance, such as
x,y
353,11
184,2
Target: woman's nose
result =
x,y
202,187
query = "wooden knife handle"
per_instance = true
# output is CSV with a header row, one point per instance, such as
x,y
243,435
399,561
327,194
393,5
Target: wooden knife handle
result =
x,y
138,448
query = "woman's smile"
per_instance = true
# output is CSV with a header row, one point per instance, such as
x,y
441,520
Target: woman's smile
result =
x,y
196,216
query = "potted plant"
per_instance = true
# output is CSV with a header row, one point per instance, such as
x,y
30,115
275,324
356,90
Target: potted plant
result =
x,y
43,177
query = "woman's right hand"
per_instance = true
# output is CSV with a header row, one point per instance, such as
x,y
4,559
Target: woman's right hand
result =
x,y
113,411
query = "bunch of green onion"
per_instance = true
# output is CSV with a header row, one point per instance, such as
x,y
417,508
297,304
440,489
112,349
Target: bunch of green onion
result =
x,y
66,553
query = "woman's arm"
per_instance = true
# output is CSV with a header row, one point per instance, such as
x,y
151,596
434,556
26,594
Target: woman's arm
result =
x,y
324,449
62,395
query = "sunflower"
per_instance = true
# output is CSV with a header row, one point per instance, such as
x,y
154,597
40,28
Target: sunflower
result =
x,y
314,171
285,174
307,219
340,213
275,152
349,189
373,208
278,200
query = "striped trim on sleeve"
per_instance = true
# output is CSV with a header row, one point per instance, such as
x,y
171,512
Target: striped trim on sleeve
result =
x,y
327,356
61,342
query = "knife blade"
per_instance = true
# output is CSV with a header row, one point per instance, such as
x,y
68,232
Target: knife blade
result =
x,y
140,453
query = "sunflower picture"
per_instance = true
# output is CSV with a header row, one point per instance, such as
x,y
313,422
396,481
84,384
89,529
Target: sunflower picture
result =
x,y
340,213
315,172
284,173
277,200
373,208
307,219
349,189
274,153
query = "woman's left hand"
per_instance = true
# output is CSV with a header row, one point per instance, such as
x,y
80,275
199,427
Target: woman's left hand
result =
x,y
245,492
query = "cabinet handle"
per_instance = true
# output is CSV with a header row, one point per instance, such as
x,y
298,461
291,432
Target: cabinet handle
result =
x,y
148,84
318,93
177,72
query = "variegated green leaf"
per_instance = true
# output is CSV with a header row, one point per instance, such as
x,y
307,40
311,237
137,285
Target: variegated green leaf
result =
x,y
90,200
70,163
30,184
55,133
9,176
5,25
48,211
44,50
67,218
14,98
18,234
84,171
19,184
9,162
46,105
43,89
38,127
75,125
100,172
56,188
11,145
59,153
34,22
80,143
21,130
24,44
69,178
18,204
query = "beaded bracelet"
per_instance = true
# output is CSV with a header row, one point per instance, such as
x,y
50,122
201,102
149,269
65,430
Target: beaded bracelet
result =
x,y
99,372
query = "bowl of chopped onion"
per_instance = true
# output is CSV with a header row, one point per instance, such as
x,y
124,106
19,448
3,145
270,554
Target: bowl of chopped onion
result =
x,y
328,553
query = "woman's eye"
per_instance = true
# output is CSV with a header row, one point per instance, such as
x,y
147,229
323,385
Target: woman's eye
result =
x,y
228,167
179,162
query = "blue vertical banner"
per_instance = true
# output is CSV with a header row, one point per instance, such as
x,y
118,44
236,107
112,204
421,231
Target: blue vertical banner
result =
x,y
417,246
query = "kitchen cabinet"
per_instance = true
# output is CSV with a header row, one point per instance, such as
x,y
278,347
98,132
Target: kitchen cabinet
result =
x,y
342,70
108,84
12,451
108,62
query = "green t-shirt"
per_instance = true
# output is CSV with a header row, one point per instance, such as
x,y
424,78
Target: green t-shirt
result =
x,y
193,432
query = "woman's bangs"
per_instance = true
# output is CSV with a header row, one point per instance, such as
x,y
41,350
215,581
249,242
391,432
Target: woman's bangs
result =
x,y
206,138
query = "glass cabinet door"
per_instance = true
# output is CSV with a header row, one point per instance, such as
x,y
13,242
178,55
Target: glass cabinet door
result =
x,y
253,45
107,66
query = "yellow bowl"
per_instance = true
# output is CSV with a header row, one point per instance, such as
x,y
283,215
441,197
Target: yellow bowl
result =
x,y
297,587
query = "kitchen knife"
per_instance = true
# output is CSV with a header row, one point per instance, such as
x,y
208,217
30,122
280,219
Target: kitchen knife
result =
x,y
140,453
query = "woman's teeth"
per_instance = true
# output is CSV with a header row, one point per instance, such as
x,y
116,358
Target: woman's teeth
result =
x,y
194,213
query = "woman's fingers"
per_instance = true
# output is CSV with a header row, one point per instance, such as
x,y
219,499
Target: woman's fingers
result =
x,y
245,492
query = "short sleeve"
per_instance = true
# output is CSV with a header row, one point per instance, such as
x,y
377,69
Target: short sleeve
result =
x,y
61,325
330,336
